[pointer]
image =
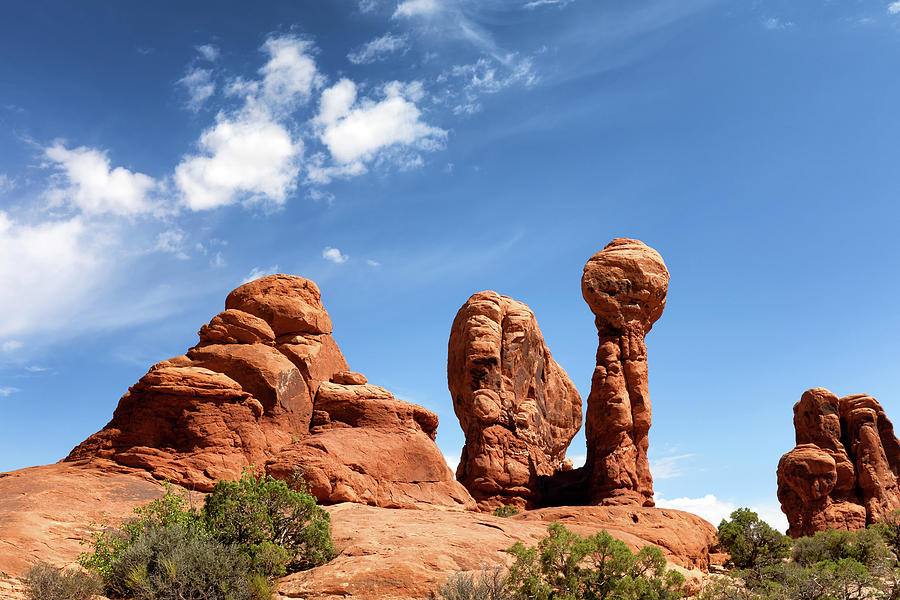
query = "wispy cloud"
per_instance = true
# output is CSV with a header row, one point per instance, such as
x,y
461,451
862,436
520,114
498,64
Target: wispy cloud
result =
x,y
378,49
775,24
415,8
668,467
10,345
199,85
894,8
257,272
538,3
6,391
373,263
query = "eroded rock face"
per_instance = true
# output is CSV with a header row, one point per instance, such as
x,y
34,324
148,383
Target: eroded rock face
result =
x,y
257,390
625,286
843,471
518,408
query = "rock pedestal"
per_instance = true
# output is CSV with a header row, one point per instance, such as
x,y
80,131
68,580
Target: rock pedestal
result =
x,y
625,286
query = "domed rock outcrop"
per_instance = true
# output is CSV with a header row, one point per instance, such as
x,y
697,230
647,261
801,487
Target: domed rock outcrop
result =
x,y
843,473
268,386
625,286
518,408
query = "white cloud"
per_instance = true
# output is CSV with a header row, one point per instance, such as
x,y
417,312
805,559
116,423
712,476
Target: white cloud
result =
x,y
578,460
714,510
537,3
709,507
208,52
11,345
452,461
47,270
36,369
250,154
290,75
894,8
334,255
258,272
87,183
378,49
367,6
356,130
667,467
200,87
6,391
247,156
412,8
217,261
373,263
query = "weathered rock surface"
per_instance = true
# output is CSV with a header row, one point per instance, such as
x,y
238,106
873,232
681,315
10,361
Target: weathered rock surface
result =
x,y
843,473
257,390
518,408
382,553
625,286
368,447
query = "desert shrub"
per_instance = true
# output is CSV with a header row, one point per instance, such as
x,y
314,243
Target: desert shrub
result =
x,y
489,584
247,533
174,508
43,581
567,566
280,529
865,546
505,511
173,563
751,542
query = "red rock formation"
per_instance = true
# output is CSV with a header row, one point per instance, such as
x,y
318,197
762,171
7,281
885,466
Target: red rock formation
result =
x,y
518,408
843,473
625,286
248,393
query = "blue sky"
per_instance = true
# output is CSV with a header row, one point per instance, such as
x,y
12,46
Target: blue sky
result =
x,y
405,155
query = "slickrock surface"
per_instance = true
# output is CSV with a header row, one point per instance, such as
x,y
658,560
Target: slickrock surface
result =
x,y
401,554
843,471
46,511
257,390
625,286
381,553
518,408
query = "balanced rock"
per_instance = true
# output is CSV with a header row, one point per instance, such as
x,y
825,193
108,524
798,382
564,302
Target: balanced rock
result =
x,y
843,471
257,390
625,286
518,408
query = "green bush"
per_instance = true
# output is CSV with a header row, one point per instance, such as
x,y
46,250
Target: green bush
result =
x,y
247,533
505,511
280,529
865,546
43,581
751,542
566,566
489,584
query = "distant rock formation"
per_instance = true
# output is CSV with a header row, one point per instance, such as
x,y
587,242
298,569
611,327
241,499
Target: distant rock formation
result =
x,y
625,285
268,386
518,408
843,473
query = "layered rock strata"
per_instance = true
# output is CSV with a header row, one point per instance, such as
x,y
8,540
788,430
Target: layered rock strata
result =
x,y
625,286
518,408
843,473
268,385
